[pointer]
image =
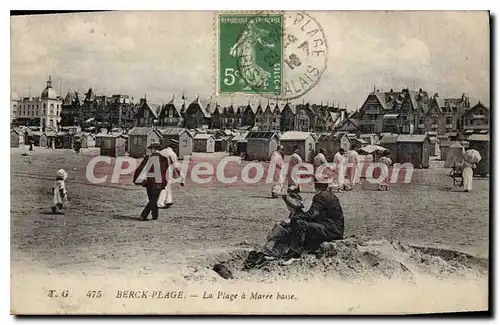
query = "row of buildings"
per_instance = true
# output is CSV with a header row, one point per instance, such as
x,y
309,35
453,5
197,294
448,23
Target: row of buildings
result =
x,y
88,110
403,112
416,112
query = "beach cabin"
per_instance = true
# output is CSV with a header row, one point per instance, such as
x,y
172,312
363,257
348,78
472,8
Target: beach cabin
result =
x,y
35,137
98,137
113,145
47,138
414,149
261,145
332,142
443,148
454,154
222,143
139,139
434,147
16,137
481,142
238,144
67,140
305,140
87,140
453,136
183,136
389,141
204,142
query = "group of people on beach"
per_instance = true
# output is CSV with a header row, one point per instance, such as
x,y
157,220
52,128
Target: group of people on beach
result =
x,y
344,170
303,231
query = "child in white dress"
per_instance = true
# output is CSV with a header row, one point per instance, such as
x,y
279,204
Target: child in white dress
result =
x,y
59,192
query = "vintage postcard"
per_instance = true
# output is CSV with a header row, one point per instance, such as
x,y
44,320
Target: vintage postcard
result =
x,y
250,162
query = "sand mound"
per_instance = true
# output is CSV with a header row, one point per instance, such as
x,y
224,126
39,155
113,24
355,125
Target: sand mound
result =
x,y
352,259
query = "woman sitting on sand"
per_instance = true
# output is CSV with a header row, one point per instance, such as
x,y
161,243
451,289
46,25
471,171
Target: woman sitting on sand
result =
x,y
304,231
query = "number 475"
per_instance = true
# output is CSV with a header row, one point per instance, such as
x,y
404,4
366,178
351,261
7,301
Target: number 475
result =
x,y
94,294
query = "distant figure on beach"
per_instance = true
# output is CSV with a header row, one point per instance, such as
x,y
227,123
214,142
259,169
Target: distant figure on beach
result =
x,y
352,167
78,146
385,161
277,162
318,161
295,159
467,173
339,171
59,192
31,145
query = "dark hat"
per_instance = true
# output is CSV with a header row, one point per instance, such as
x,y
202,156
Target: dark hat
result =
x,y
154,144
293,200
223,271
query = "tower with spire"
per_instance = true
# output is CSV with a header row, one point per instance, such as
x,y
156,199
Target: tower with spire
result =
x,y
42,111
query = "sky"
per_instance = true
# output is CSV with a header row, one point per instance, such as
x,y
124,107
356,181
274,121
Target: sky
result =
x,y
162,53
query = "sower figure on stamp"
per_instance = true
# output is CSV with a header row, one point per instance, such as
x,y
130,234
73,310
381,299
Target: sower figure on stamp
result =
x,y
152,174
244,49
165,199
277,163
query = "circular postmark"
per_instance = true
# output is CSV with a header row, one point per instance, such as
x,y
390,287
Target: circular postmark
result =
x,y
283,61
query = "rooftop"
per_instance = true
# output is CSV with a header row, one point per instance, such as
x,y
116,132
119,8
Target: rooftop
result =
x,y
412,138
295,135
140,131
203,136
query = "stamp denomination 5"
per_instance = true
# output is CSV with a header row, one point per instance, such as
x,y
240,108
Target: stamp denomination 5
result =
x,y
250,56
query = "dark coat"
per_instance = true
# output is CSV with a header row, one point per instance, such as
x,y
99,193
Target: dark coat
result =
x,y
327,211
158,181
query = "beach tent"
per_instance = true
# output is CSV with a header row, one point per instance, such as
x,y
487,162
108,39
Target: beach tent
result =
x,y
454,155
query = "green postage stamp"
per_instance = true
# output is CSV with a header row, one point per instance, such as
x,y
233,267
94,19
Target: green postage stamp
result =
x,y
250,53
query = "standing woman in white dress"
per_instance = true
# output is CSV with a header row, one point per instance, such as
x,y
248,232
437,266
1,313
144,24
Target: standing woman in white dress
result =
x,y
352,169
165,198
467,174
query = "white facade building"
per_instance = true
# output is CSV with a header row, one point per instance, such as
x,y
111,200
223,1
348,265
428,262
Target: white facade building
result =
x,y
14,103
46,108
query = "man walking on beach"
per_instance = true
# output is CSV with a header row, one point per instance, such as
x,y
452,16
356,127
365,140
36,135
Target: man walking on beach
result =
x,y
152,179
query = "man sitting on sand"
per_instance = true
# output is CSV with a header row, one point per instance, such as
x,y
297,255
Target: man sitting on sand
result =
x,y
305,231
